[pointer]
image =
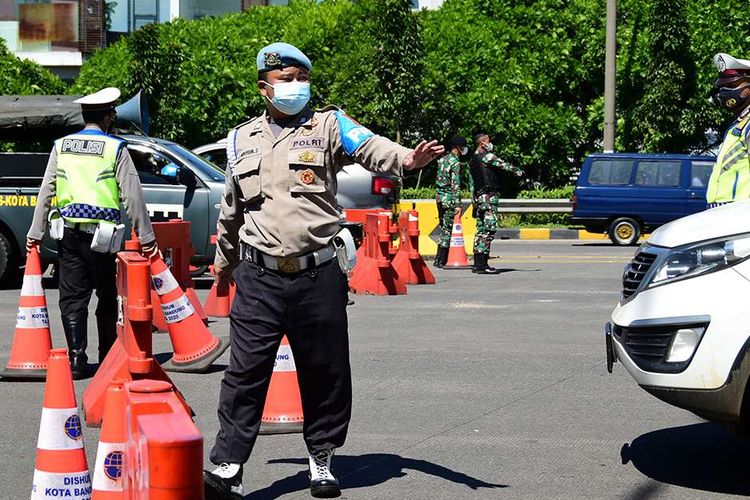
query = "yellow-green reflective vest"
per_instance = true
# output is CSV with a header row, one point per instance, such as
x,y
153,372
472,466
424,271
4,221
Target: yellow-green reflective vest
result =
x,y
87,189
730,178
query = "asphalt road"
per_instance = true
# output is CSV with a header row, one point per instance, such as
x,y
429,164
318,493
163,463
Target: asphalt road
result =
x,y
477,387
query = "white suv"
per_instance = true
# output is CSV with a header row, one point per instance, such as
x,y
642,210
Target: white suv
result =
x,y
682,327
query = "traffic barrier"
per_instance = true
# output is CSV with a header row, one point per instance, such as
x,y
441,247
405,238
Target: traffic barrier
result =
x,y
61,468
219,301
457,253
374,273
195,348
164,459
131,356
282,413
408,263
32,340
173,238
110,455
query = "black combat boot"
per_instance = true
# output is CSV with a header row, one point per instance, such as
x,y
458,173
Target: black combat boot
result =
x,y
442,257
480,265
77,339
107,328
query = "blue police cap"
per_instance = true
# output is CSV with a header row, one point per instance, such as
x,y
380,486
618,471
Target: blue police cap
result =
x,y
280,55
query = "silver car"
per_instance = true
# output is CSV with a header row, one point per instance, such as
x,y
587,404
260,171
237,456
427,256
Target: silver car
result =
x,y
357,186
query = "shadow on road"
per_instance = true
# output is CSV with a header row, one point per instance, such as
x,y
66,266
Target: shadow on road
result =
x,y
700,456
366,470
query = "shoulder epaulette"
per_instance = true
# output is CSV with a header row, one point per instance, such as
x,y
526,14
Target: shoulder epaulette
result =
x,y
328,107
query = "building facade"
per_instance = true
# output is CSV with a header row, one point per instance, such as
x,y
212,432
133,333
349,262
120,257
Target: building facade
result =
x,y
60,34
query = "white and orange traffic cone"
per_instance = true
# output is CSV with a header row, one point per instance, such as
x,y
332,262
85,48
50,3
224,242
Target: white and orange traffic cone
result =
x,y
457,253
61,468
195,348
219,301
32,341
283,411
110,456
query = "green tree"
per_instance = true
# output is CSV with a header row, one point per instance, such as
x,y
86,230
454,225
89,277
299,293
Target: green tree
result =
x,y
398,68
660,120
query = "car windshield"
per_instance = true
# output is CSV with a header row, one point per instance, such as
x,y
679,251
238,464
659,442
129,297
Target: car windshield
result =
x,y
206,167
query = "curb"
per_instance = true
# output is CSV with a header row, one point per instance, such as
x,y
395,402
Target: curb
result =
x,y
548,234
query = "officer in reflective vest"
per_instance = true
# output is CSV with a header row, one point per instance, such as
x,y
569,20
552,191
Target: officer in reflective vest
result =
x,y
730,178
90,172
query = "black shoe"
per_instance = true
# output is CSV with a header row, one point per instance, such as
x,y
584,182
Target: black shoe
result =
x,y
107,329
480,265
442,257
76,336
223,483
323,484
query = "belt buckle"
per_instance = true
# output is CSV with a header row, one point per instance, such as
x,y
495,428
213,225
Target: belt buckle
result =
x,y
289,265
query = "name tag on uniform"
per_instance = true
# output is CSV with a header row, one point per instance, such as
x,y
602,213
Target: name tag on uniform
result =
x,y
249,152
317,143
83,147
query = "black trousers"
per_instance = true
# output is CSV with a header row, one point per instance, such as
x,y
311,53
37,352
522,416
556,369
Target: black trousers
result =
x,y
310,308
82,270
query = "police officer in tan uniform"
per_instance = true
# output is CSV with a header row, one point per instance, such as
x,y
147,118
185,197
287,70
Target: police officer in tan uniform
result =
x,y
278,218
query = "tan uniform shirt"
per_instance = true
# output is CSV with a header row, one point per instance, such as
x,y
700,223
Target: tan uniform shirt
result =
x,y
130,193
280,193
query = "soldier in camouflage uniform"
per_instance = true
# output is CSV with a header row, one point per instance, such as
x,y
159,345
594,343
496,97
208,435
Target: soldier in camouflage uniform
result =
x,y
448,196
485,167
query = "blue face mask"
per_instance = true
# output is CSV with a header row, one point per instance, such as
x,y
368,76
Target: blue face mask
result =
x,y
290,97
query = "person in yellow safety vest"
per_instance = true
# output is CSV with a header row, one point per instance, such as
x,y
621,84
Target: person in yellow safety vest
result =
x,y
730,178
90,172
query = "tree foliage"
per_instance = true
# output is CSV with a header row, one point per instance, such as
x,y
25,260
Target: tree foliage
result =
x,y
22,77
529,73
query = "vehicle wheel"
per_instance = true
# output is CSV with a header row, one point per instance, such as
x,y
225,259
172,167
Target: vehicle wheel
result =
x,y
624,231
9,271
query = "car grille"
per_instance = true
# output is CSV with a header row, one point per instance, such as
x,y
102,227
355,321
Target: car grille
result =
x,y
647,344
635,272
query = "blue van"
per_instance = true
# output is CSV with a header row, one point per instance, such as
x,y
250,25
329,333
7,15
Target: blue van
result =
x,y
626,194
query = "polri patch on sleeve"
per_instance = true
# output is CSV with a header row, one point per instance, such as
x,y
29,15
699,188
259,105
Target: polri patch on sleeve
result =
x,y
353,135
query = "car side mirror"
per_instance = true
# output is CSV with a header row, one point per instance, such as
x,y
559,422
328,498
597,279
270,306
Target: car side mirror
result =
x,y
186,177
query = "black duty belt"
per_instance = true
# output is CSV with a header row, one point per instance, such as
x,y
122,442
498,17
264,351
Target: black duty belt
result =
x,y
288,265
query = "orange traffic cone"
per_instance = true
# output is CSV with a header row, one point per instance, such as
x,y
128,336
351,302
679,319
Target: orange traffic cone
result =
x,y
195,348
110,456
283,411
457,253
219,301
61,469
32,341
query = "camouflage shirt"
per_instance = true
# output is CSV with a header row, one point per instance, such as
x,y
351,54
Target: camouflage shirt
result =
x,y
495,161
448,180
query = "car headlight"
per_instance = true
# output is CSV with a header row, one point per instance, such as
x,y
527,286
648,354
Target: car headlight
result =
x,y
701,258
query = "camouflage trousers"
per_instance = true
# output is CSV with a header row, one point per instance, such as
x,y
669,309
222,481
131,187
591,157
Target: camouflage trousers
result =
x,y
446,212
486,212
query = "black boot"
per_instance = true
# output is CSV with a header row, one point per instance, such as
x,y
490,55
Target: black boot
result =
x,y
442,257
480,264
107,328
76,336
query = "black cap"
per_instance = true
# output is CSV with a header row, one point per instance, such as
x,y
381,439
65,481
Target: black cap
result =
x,y
479,136
458,140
